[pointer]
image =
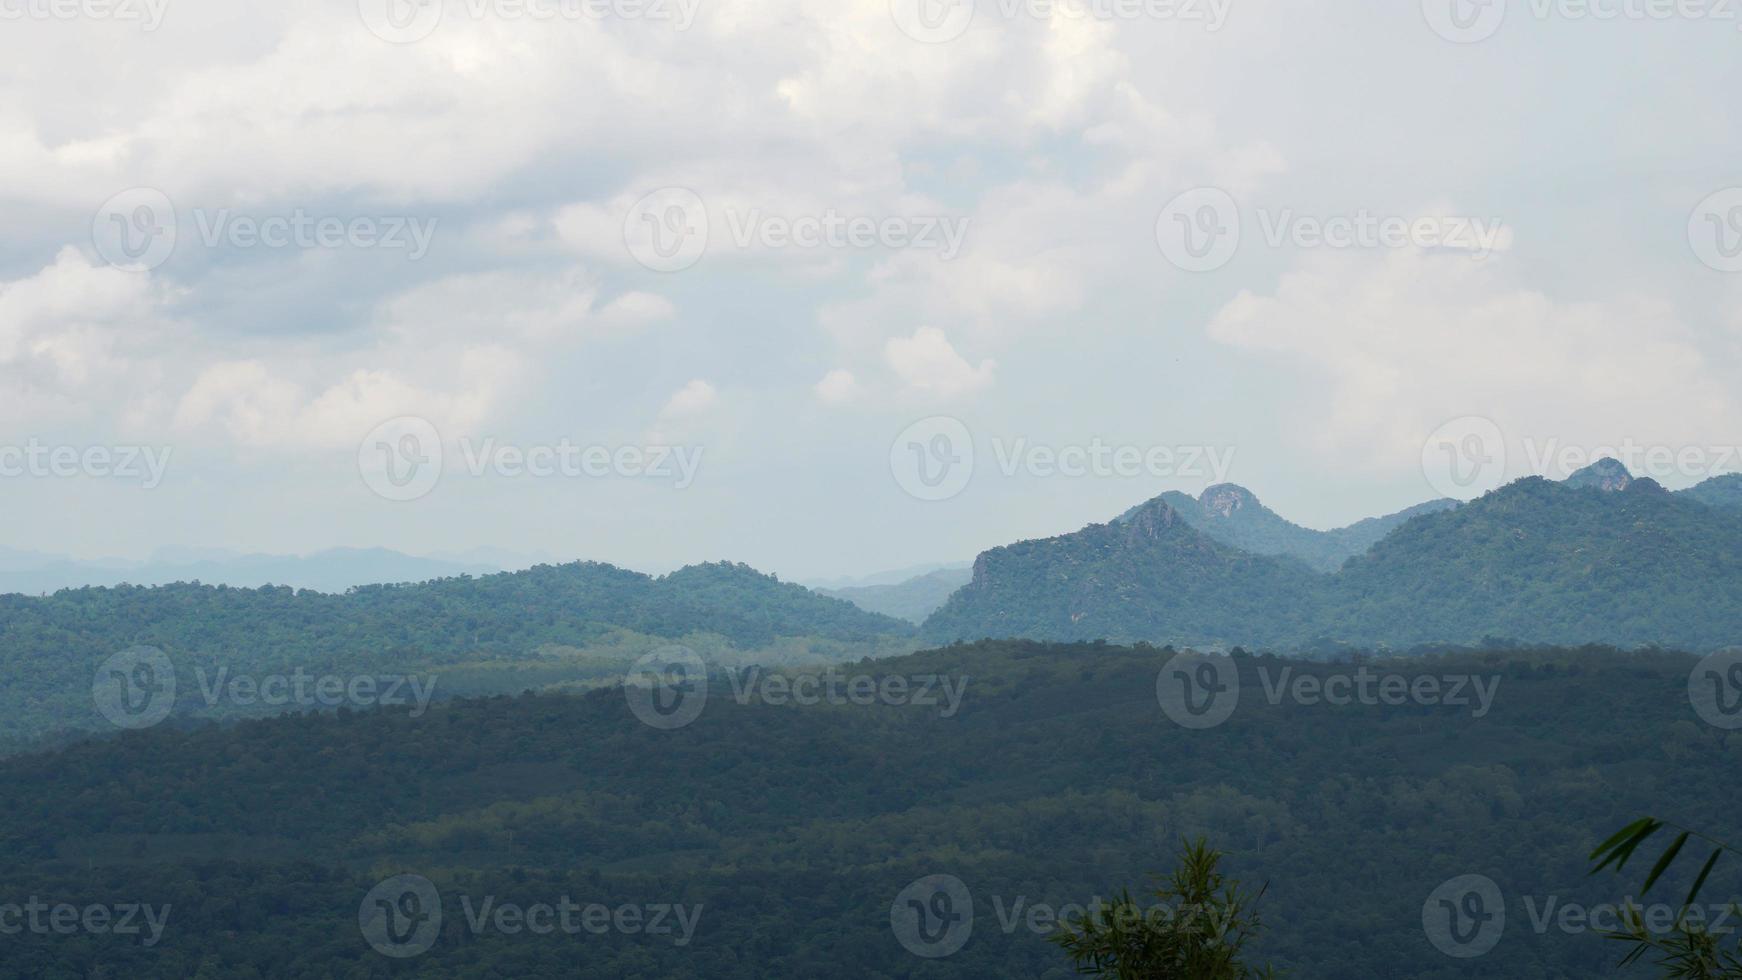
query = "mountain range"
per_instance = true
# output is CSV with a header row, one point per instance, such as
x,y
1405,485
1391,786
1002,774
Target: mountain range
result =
x,y
912,599
1599,558
333,570
549,626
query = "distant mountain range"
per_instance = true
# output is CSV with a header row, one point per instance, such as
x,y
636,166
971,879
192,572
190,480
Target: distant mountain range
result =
x,y
1599,558
334,570
1232,515
574,624
912,599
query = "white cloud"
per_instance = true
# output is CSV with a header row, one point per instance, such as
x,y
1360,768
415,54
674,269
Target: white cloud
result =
x,y
1407,340
927,362
837,387
691,400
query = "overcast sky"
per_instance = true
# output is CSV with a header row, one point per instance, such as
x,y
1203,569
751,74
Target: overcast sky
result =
x,y
312,250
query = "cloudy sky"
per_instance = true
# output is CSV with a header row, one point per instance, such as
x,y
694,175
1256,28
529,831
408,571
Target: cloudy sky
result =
x,y
833,286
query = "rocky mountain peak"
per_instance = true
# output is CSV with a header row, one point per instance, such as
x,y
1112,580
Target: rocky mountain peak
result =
x,y
1605,474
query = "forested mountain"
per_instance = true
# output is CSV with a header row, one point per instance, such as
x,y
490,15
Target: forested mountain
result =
x,y
1719,491
546,625
912,599
794,828
1152,576
1551,562
332,570
1233,515
1600,558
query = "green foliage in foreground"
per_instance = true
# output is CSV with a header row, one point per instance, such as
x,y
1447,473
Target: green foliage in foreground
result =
x,y
1198,930
1692,949
1059,779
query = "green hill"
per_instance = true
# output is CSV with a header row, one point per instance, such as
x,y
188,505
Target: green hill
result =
x,y
794,828
1592,560
1719,491
573,623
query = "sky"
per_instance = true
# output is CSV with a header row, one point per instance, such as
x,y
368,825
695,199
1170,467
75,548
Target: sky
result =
x,y
836,286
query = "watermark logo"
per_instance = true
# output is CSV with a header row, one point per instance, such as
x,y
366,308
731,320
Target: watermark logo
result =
x,y
135,688
1464,21
41,918
1197,690
570,918
667,688
933,459
401,21
401,459
135,230
409,21
1715,230
667,230
147,13
933,917
1200,230
1465,917
1715,689
1465,457
1371,688
38,460
402,916
138,230
670,230
833,687
301,689
932,21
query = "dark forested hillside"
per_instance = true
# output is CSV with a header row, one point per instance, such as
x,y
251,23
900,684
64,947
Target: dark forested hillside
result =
x,y
1621,562
498,632
788,831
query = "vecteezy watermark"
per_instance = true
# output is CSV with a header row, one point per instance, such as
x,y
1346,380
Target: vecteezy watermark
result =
x,y
1202,229
139,228
670,230
942,21
1469,456
934,459
1466,916
835,687
402,916
1715,689
667,688
41,918
301,689
1471,21
38,460
1465,457
407,21
933,917
1200,691
148,14
403,459
1715,230
135,688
